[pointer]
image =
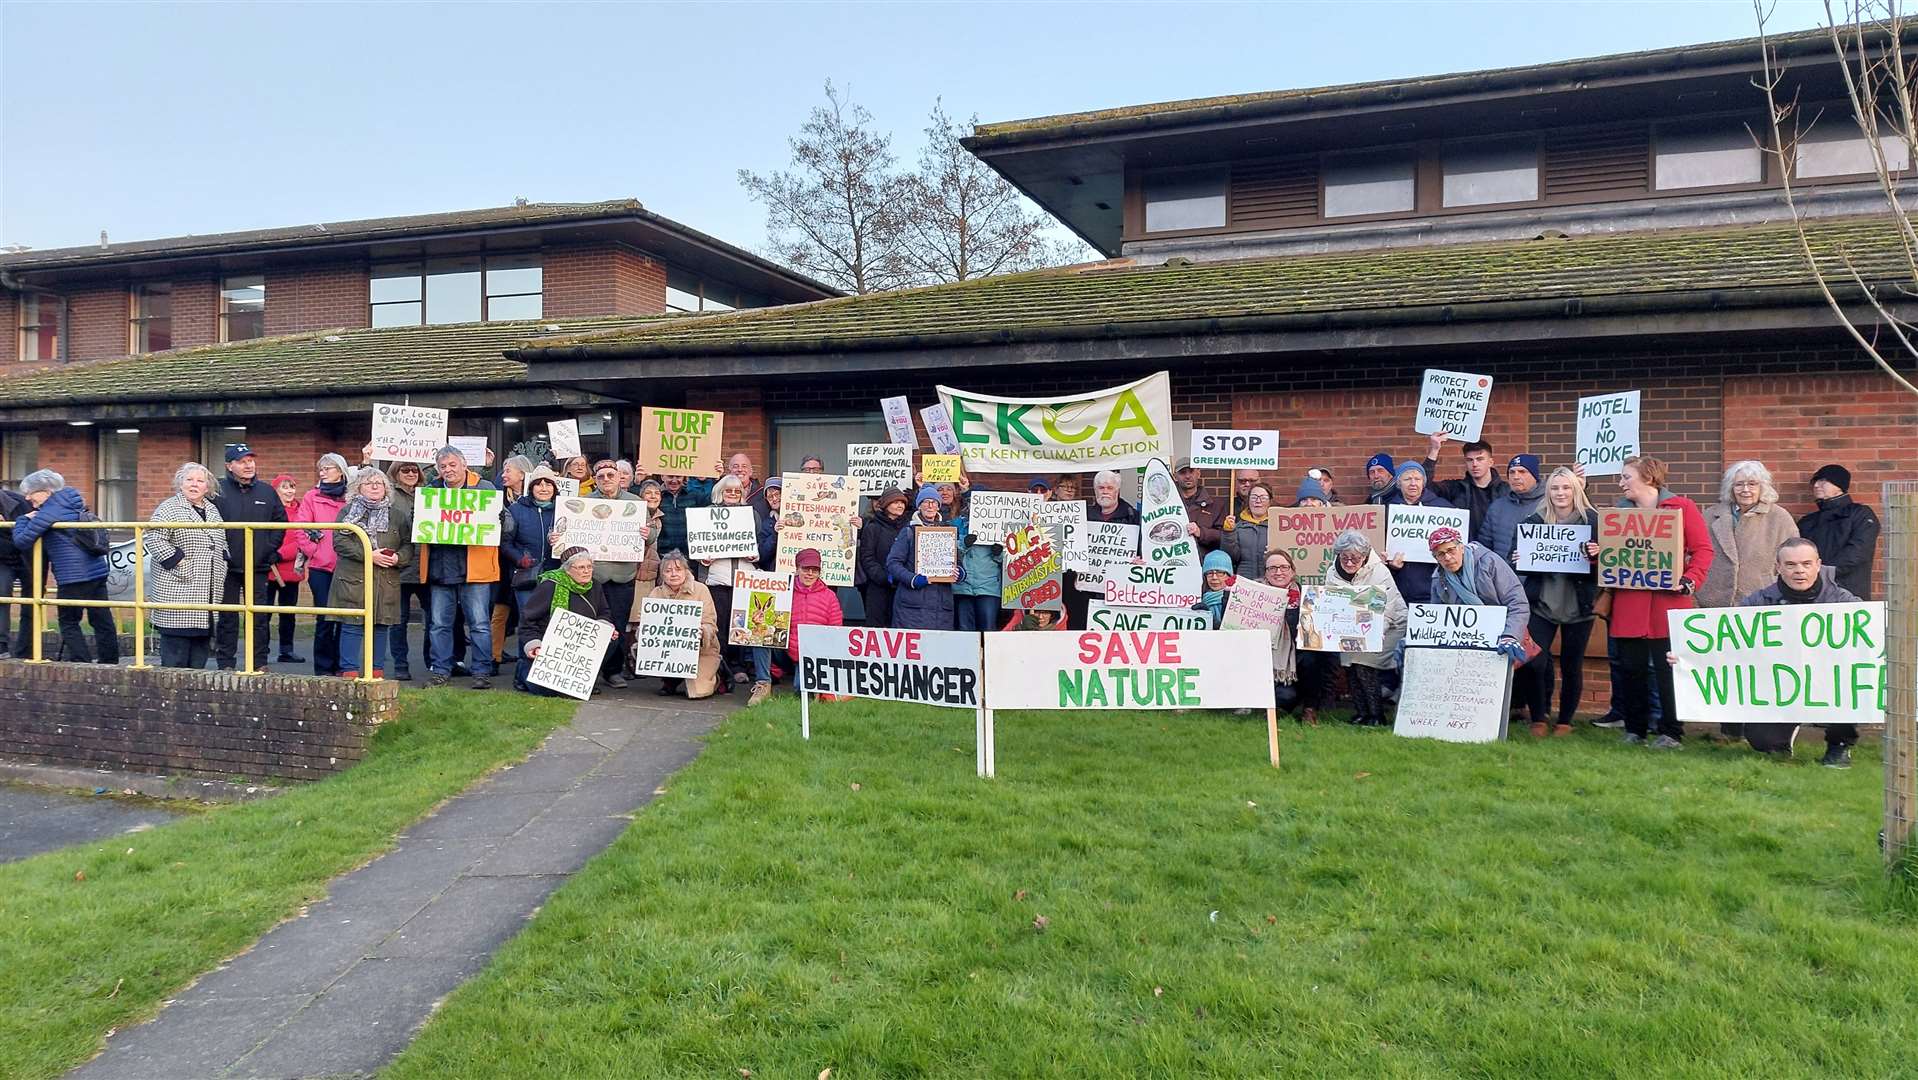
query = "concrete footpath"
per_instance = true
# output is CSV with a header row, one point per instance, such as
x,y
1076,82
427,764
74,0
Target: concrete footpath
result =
x,y
342,989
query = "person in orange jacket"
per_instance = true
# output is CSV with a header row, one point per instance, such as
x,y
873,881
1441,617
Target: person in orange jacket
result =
x,y
459,577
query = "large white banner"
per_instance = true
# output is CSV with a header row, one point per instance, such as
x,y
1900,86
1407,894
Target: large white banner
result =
x,y
1094,669
1795,664
570,654
1106,429
666,643
930,667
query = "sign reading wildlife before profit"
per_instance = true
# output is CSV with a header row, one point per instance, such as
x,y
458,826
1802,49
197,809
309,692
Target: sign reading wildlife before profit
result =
x,y
1454,626
1168,585
1607,432
570,654
1334,618
1453,402
818,510
611,530
1102,616
1163,526
1099,669
878,466
562,438
685,442
898,414
930,667
408,433
1408,529
991,514
940,468
1306,533
465,516
1030,576
935,552
722,532
1235,449
1640,549
1107,429
666,643
1554,549
762,608
939,429
1794,664
1454,695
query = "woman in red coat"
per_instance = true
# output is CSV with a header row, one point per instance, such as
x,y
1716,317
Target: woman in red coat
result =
x,y
1638,621
283,581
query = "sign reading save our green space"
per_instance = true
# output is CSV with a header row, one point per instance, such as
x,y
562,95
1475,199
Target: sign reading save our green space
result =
x,y
465,516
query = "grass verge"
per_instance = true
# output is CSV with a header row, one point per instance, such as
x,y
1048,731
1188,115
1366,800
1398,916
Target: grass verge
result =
x,y
96,935
1141,894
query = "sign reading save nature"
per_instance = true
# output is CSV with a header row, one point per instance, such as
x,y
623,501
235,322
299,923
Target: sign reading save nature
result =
x,y
1166,669
1796,664
1640,549
464,516
683,442
1121,426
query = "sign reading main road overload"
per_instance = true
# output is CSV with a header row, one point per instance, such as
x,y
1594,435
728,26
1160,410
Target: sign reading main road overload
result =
x,y
465,516
1408,529
931,667
1108,429
1796,664
1453,402
1166,669
1607,432
1640,549
1234,449
408,433
570,654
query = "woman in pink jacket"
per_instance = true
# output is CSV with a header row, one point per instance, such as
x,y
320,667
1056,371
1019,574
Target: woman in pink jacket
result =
x,y
1638,622
283,581
814,602
322,503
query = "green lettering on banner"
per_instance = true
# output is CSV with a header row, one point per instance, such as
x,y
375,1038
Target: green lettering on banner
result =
x,y
1013,417
1128,412
962,414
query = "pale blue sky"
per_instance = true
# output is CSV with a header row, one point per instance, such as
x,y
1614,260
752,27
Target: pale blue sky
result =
x,y
159,119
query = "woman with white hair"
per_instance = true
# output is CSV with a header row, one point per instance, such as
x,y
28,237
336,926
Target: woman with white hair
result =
x,y
1355,566
1746,528
322,503
388,520
572,588
718,576
188,567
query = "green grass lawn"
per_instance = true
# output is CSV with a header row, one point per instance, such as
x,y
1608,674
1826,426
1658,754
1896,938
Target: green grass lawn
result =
x,y
96,935
1141,894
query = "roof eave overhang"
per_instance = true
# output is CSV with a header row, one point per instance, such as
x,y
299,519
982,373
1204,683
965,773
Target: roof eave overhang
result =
x,y
347,401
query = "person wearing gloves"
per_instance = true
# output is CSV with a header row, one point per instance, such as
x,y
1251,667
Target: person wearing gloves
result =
x,y
676,583
573,587
1638,618
322,503
1380,478
388,521
889,512
1562,608
283,580
919,604
1248,532
1521,499
1215,572
77,558
189,567
1469,574
1845,532
1415,581
1356,566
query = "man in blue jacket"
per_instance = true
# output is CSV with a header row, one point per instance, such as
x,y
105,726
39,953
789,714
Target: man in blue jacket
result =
x,y
78,559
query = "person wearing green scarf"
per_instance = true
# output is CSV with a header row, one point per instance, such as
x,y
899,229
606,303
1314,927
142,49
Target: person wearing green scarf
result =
x,y
570,588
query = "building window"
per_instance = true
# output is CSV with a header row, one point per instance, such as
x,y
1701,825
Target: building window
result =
x,y
119,479
1180,201
19,455
243,308
1372,184
466,289
152,316
1489,173
40,319
1722,155
1839,148
213,444
689,292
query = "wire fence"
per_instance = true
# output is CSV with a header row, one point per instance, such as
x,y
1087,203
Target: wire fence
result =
x,y
1901,666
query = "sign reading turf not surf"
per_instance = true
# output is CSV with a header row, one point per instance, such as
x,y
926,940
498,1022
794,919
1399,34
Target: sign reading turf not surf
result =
x,y
1640,549
465,516
1164,669
680,442
1107,429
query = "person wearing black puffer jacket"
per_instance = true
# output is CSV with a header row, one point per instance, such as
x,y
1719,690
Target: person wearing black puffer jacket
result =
x,y
13,567
889,513
1846,533
242,497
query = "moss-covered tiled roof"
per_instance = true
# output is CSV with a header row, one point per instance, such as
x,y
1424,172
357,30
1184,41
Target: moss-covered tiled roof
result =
x,y
332,362
1116,299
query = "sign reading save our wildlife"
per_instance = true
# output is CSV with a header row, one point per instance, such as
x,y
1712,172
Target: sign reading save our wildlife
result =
x,y
1234,449
570,654
1640,549
1098,669
1164,535
1453,402
465,516
1107,429
680,442
1795,664
1607,432
1102,616
408,433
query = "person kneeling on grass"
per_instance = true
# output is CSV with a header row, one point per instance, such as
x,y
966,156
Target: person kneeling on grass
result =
x,y
676,583
815,603
572,588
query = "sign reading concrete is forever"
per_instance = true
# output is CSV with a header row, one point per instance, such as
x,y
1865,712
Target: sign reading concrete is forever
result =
x,y
408,433
1607,432
468,517
1408,529
1795,664
1235,449
1554,549
666,644
1640,549
680,442
878,466
1306,534
570,654
1453,402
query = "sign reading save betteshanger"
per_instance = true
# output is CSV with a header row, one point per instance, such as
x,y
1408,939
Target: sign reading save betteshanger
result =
x,y
464,516
931,667
1163,535
1165,669
1796,664
1108,429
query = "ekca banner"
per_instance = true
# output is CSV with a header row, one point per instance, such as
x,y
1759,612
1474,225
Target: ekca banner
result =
x,y
1118,427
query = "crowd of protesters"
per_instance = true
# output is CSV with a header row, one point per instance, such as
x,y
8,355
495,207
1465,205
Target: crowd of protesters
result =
x,y
485,608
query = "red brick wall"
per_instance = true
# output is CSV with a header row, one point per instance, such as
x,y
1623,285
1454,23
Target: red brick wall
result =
x,y
98,320
316,298
601,279
196,312
163,449
73,452
1794,424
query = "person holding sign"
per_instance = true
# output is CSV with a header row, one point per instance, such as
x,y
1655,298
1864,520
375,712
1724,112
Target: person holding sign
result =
x,y
1356,566
1414,582
1562,607
876,537
1248,533
918,602
1477,490
388,522
459,577
616,578
572,588
1216,575
1802,579
1299,679
676,583
1468,573
731,491
1638,621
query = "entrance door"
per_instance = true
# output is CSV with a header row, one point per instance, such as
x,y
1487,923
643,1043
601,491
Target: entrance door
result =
x,y
796,438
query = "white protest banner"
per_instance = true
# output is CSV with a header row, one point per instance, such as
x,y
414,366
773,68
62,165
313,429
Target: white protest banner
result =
x,y
928,667
1255,606
899,420
612,530
939,429
686,442
818,510
762,608
568,487
666,643
722,532
1454,626
1455,695
562,438
1795,664
1235,449
1172,585
570,654
408,433
1607,432
1408,527
989,514
1106,429
878,466
1102,616
1030,578
1163,535
1554,549
1065,521
1334,618
471,447
1306,533
1105,544
1453,402
464,516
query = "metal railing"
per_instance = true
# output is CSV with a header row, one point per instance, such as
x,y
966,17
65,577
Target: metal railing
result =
x,y
141,605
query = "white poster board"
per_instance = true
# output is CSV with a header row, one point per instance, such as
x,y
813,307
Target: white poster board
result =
x,y
408,433
1454,626
1255,606
570,654
666,643
926,667
1333,618
1163,525
568,487
612,530
1103,544
1064,522
1607,432
878,466
1554,549
762,611
1794,664
562,438
722,532
1453,402
1408,529
1232,448
1103,616
819,510
1454,695
1168,585
939,429
989,514
471,447
899,420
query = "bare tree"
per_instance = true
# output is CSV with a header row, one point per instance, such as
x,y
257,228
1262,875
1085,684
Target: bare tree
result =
x,y
834,215
1869,38
962,220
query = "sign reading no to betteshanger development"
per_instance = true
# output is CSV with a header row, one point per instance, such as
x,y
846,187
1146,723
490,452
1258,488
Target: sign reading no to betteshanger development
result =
x,y
1164,669
1796,664
1107,429
464,516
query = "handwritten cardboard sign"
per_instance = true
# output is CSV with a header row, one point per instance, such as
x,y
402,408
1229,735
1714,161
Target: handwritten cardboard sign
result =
x,y
683,442
1554,549
1235,449
570,654
878,466
1454,695
939,468
1453,402
819,510
666,643
1640,549
991,514
612,530
722,532
1255,605
935,552
468,517
1408,529
408,433
1607,432
1030,578
562,438
1306,533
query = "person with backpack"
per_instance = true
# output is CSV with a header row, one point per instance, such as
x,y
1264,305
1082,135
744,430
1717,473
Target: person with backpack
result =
x,y
78,560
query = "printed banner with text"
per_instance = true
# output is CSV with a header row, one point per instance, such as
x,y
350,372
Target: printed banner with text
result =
x,y
1094,669
1108,429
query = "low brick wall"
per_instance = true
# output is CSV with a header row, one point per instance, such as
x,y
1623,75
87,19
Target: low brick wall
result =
x,y
196,723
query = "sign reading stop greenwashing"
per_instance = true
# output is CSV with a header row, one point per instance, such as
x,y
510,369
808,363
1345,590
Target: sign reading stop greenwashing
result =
x,y
1235,449
1107,429
1162,669
1796,664
465,516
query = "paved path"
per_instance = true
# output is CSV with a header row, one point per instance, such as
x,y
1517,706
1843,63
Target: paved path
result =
x,y
341,990
33,820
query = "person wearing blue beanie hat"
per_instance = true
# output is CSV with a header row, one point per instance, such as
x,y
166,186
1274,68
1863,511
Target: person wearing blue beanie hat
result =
x,y
919,603
1217,560
1409,466
1379,477
1310,488
1413,579
1216,574
1529,462
929,491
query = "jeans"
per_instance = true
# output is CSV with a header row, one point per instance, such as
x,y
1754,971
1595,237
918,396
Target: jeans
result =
x,y
186,652
9,574
526,633
1536,677
106,635
1618,685
287,595
476,602
353,645
396,637
761,659
326,631
1648,680
619,601
978,613
226,636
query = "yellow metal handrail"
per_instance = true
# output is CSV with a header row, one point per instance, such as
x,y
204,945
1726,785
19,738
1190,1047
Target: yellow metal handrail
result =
x,y
141,605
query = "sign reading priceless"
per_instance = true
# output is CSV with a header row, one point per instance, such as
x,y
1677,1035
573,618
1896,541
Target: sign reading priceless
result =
x,y
1306,533
570,654
1108,429
683,442
1554,549
1607,432
666,643
1235,449
1453,402
465,516
1640,549
1795,664
762,608
408,433
1097,669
